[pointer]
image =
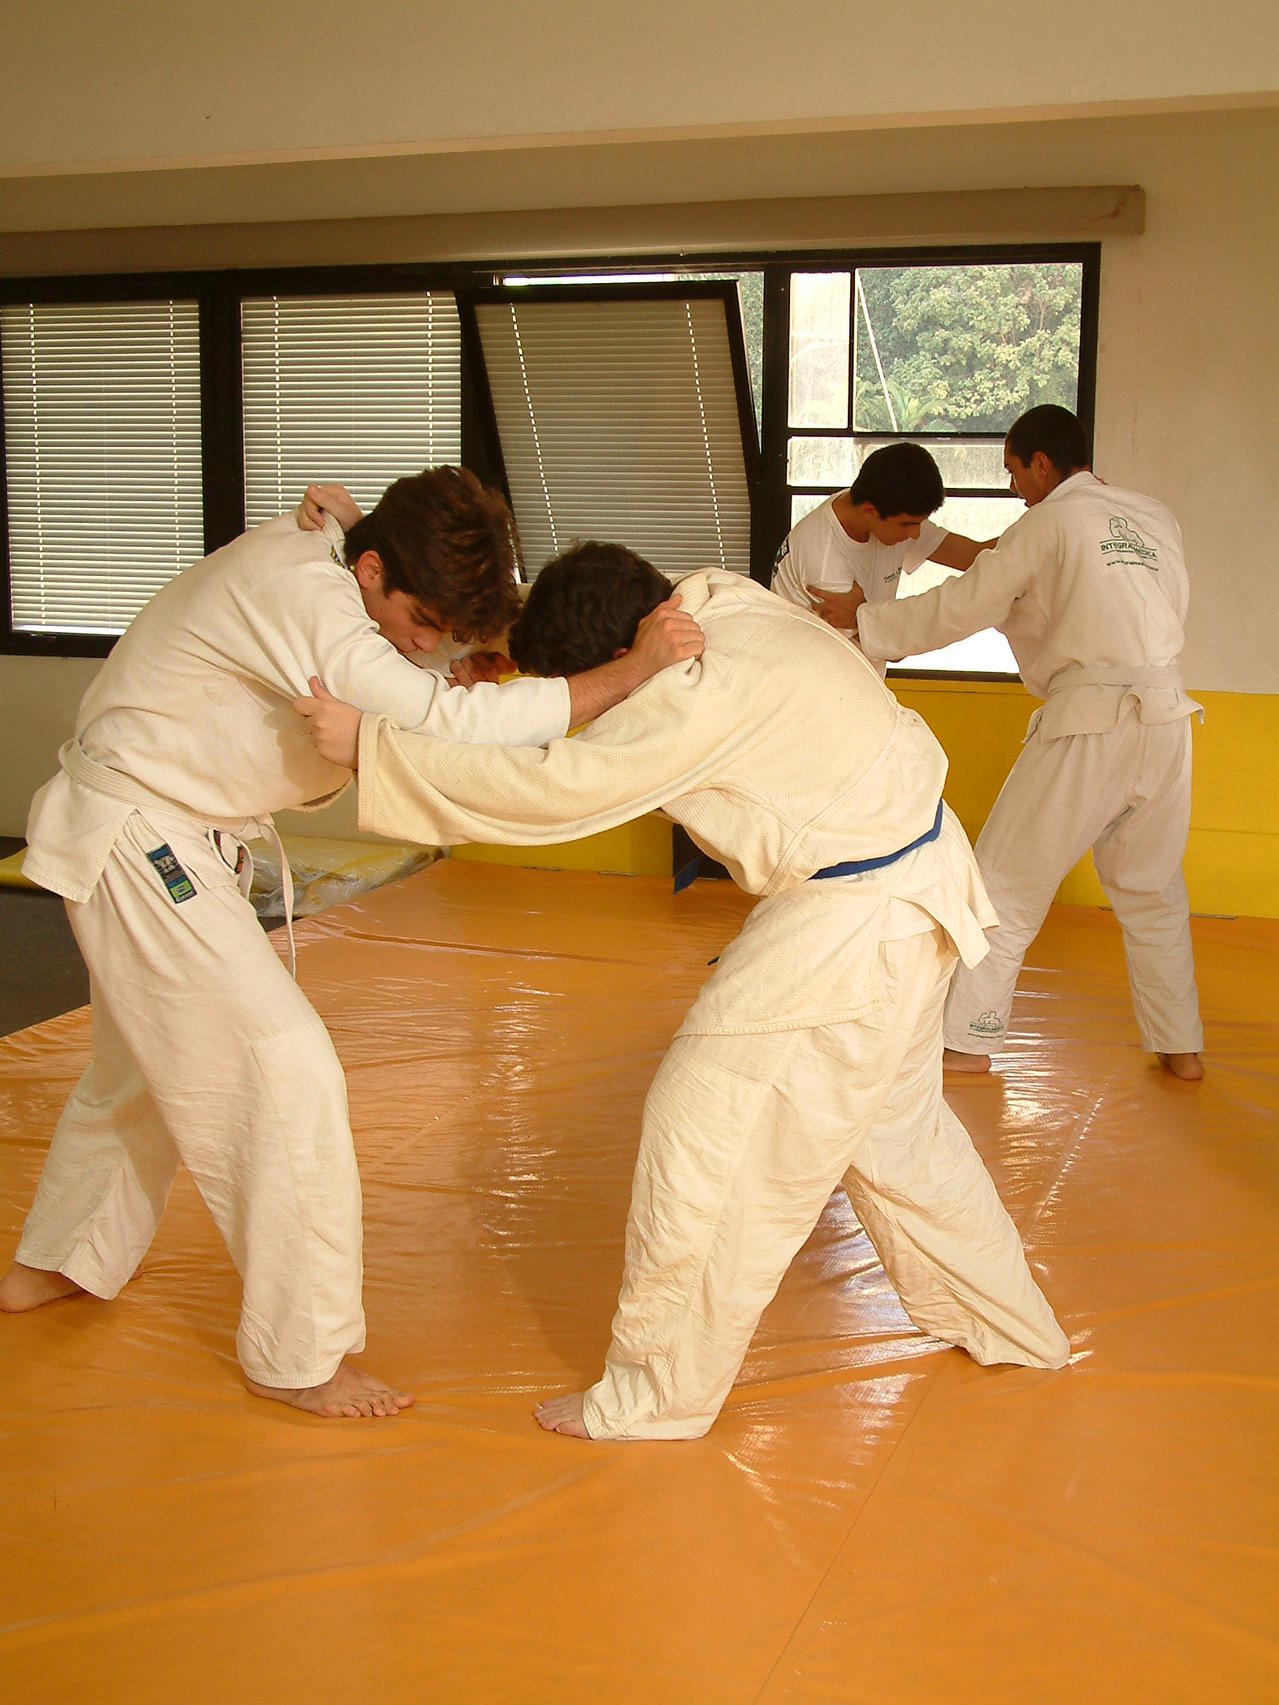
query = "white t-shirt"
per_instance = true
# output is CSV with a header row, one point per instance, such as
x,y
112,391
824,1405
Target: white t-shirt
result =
x,y
818,552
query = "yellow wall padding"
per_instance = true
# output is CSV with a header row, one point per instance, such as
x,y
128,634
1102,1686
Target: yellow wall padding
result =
x,y
11,871
873,1517
1232,860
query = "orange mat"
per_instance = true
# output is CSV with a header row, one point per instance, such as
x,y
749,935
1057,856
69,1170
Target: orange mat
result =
x,y
873,1518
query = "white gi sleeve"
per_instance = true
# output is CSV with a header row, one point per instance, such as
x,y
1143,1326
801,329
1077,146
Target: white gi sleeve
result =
x,y
365,670
964,605
317,625
654,746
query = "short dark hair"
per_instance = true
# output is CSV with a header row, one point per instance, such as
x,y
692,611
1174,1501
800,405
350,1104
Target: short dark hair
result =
x,y
450,543
1055,431
900,479
584,607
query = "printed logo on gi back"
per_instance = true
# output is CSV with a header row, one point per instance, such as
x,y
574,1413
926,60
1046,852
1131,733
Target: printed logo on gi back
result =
x,y
171,873
1125,538
986,1024
895,575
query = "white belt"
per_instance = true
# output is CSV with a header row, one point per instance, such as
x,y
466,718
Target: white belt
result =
x,y
116,785
1117,675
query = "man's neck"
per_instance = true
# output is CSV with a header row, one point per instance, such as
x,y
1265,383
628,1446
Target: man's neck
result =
x,y
1061,479
845,513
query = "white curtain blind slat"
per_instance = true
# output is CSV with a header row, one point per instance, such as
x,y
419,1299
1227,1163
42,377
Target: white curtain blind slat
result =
x,y
361,389
102,455
619,420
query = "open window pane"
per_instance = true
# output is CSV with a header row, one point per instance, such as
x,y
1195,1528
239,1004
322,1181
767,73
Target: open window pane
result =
x,y
830,462
803,503
966,347
102,457
819,348
984,653
361,389
833,462
621,416
979,517
964,464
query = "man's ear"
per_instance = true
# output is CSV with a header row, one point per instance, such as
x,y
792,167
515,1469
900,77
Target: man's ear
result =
x,y
620,652
367,569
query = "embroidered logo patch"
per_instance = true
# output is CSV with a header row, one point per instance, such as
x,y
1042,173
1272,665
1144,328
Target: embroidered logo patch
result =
x,y
171,873
986,1024
1124,538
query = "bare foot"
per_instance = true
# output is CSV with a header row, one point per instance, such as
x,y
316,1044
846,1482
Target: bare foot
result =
x,y
953,1061
563,1415
350,1393
1188,1067
24,1288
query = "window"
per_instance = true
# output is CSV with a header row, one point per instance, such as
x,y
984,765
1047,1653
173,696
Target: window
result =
x,y
361,389
101,458
692,407
623,412
945,355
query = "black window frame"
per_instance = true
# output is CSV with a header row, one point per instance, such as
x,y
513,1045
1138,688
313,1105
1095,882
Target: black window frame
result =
x,y
776,483
219,294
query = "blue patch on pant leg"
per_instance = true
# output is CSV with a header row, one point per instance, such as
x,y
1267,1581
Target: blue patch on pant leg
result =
x,y
171,873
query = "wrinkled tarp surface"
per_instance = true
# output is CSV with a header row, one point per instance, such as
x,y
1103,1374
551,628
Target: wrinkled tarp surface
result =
x,y
873,1518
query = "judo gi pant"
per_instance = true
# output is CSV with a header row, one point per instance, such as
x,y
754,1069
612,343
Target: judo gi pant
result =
x,y
1125,794
205,1051
744,1139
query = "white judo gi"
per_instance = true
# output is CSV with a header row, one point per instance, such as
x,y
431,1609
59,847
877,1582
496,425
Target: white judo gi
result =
x,y
1090,587
204,1049
813,1053
818,552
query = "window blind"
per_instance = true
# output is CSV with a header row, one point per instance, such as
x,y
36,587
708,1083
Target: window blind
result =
x,y
102,458
361,389
620,419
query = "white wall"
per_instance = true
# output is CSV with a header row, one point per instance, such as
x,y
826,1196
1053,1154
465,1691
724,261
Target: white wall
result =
x,y
38,699
148,80
1187,365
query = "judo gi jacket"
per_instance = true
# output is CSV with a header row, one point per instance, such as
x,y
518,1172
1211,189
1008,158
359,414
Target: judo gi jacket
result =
x,y
1090,587
813,1053
205,1050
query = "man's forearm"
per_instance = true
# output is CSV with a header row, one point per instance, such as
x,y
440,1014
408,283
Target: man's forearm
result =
x,y
665,636
957,550
981,598
597,690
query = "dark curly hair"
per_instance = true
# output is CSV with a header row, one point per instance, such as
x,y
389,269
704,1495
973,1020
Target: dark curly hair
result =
x,y
585,607
450,543
899,479
1054,430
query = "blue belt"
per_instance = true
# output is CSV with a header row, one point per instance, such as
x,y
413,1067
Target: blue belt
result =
x,y
851,867
857,866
